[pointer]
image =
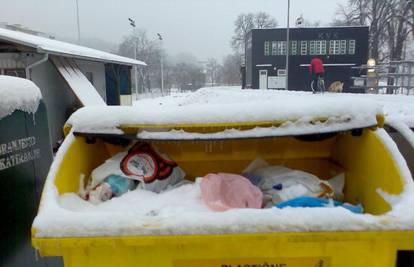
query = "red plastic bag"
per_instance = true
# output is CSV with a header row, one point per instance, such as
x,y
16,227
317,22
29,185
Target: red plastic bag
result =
x,y
224,191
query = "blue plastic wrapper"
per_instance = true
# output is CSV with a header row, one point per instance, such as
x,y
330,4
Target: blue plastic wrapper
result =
x,y
313,202
120,185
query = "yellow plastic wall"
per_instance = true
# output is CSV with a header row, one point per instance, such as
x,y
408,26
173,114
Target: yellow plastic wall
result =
x,y
341,249
368,166
365,160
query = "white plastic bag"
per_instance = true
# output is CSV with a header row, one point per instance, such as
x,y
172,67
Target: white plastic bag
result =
x,y
279,183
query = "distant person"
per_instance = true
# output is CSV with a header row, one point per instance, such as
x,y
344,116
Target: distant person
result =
x,y
317,71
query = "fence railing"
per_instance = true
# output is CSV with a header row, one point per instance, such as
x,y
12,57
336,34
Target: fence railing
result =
x,y
395,77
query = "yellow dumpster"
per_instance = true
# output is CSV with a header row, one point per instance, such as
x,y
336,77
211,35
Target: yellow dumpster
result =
x,y
342,136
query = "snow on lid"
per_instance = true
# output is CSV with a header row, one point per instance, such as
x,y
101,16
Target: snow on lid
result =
x,y
46,45
225,106
18,94
395,107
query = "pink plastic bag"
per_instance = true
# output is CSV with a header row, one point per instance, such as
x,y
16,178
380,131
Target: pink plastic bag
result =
x,y
224,191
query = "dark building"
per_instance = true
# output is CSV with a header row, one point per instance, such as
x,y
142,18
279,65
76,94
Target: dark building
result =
x,y
340,48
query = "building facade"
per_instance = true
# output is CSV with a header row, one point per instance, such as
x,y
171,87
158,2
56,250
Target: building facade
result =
x,y
69,76
340,48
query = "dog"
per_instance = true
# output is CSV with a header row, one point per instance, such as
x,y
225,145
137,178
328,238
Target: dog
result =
x,y
336,87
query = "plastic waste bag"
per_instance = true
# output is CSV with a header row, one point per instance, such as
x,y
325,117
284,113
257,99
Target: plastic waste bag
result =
x,y
279,183
225,191
142,166
113,186
312,202
338,184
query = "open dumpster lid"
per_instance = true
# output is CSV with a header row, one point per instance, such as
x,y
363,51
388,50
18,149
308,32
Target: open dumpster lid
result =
x,y
219,113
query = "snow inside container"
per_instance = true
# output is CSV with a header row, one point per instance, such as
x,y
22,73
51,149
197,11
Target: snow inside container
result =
x,y
214,131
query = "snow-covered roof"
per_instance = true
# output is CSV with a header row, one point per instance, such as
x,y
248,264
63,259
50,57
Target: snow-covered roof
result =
x,y
18,94
55,47
279,113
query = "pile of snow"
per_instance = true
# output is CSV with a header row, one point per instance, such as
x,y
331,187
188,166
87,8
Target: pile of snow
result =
x,y
399,107
228,105
182,211
18,94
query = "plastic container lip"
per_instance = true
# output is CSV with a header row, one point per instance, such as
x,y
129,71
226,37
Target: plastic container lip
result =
x,y
126,138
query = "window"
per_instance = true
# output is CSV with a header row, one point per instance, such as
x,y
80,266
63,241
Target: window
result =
x,y
274,48
281,48
14,72
267,48
351,47
281,72
312,48
294,48
249,43
303,48
343,47
278,48
334,47
320,47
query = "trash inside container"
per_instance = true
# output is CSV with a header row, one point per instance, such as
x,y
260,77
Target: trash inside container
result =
x,y
25,157
319,135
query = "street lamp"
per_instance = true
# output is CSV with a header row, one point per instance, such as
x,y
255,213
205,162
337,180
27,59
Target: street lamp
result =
x,y
132,23
162,64
287,46
77,19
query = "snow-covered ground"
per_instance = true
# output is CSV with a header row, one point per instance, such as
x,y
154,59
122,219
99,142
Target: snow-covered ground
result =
x,y
399,107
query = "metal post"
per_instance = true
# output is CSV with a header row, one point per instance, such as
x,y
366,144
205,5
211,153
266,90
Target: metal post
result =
x,y
135,70
287,47
77,18
132,23
162,73
162,64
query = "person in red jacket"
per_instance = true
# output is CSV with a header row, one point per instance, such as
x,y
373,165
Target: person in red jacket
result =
x,y
316,70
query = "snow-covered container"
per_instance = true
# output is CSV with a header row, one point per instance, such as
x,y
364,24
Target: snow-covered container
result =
x,y
25,158
221,130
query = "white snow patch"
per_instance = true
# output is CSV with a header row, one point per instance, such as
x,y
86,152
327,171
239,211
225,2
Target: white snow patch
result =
x,y
46,45
223,105
403,129
395,107
18,94
299,127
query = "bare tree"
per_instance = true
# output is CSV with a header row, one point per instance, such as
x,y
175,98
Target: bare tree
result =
x,y
188,76
213,68
230,74
148,50
398,28
246,22
374,13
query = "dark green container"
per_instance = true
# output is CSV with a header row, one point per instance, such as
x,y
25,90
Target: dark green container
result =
x,y
25,158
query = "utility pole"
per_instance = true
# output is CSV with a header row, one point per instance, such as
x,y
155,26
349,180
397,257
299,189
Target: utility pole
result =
x,y
162,64
77,18
132,23
287,46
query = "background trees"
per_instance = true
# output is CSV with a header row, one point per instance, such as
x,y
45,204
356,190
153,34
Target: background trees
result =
x,y
390,21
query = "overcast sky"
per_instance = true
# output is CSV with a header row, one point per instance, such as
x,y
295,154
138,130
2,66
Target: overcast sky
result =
x,y
201,27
